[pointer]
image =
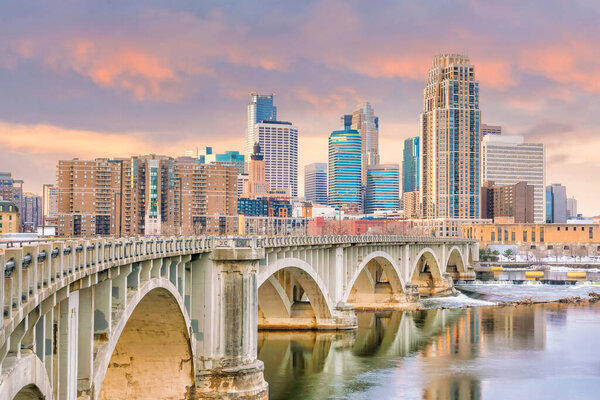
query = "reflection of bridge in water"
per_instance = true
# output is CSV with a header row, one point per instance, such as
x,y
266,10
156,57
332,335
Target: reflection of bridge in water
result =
x,y
382,338
315,365
106,317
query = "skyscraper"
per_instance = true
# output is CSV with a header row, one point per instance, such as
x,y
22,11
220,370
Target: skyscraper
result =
x,y
507,160
278,142
315,183
260,109
367,124
344,169
556,204
256,185
410,165
346,121
571,207
383,188
449,140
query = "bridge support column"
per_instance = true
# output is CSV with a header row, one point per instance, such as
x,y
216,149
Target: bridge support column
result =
x,y
227,367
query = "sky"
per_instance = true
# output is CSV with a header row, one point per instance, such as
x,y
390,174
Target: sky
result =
x,y
111,78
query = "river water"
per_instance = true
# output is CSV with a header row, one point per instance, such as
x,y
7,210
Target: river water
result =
x,y
543,351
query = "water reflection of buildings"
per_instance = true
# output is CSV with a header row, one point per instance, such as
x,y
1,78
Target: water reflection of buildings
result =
x,y
315,365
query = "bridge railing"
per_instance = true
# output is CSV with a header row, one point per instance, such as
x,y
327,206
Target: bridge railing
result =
x,y
39,269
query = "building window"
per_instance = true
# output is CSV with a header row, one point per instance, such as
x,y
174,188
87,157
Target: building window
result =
x,y
533,236
493,238
591,233
541,235
558,228
524,236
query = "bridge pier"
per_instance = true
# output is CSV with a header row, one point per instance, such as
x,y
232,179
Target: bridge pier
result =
x,y
227,364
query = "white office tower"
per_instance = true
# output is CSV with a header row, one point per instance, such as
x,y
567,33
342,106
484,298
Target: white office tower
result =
x,y
506,160
367,124
278,142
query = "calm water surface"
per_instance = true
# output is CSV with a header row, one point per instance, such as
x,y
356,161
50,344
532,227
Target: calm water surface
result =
x,y
546,351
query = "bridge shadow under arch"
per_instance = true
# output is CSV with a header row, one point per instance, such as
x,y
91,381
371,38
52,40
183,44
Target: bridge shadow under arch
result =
x,y
292,296
152,356
455,264
428,276
375,283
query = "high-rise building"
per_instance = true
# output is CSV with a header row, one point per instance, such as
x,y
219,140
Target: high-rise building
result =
x,y
31,213
367,124
383,188
278,142
315,183
260,109
145,195
50,200
556,204
344,168
571,207
410,165
411,204
449,140
256,185
514,202
490,130
346,121
507,160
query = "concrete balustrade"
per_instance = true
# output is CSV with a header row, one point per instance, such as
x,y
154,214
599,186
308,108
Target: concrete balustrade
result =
x,y
108,318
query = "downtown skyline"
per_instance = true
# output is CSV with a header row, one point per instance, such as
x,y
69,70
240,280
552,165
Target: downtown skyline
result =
x,y
72,99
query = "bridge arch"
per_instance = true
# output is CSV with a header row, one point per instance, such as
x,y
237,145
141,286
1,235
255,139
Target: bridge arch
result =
x,y
150,339
27,379
363,279
455,262
281,297
427,273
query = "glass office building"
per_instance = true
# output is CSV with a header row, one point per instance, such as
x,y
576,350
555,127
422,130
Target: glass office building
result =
x,y
260,109
383,188
315,183
344,171
410,165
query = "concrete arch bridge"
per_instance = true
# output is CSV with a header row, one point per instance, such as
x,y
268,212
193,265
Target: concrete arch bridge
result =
x,y
177,317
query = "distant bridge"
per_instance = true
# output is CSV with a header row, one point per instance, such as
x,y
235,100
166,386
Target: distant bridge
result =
x,y
177,317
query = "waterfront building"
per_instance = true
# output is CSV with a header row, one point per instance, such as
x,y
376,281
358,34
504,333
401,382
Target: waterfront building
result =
x,y
315,183
367,124
344,168
278,142
9,217
260,109
256,185
148,194
383,191
507,160
556,204
410,165
490,130
509,202
571,207
535,234
449,140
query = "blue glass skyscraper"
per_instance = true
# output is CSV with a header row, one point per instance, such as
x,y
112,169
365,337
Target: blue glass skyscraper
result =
x,y
260,109
383,188
345,161
410,165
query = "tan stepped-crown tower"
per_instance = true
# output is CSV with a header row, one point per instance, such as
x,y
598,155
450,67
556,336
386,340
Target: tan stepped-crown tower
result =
x,y
450,136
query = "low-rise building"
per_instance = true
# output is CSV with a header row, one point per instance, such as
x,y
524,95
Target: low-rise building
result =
x,y
9,217
533,234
